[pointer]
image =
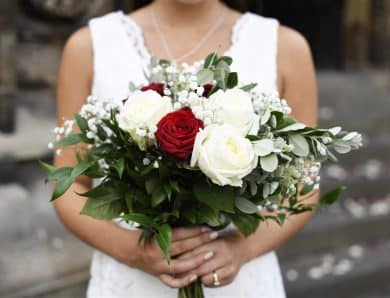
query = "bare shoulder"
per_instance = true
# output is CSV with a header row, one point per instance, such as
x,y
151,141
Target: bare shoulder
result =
x,y
77,60
296,75
79,46
293,47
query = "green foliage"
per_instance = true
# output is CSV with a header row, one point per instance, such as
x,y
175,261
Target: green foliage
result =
x,y
164,239
217,197
71,139
331,196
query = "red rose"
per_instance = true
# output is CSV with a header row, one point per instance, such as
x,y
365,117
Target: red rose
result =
x,y
176,133
158,87
207,89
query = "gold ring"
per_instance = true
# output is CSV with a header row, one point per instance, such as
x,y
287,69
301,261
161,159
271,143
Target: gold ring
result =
x,y
216,279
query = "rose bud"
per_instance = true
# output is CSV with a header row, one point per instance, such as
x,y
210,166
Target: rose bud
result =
x,y
158,87
176,133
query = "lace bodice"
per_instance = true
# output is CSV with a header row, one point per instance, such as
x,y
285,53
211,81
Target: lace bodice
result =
x,y
121,56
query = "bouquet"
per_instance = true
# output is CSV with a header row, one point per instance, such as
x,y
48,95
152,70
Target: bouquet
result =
x,y
194,148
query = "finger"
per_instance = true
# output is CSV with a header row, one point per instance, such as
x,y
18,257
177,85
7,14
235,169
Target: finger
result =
x,y
210,266
185,233
178,282
182,246
182,266
225,276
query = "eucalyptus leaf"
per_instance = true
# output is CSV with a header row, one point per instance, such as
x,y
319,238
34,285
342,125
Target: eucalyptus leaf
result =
x,y
245,205
263,147
341,147
269,163
301,146
292,127
205,76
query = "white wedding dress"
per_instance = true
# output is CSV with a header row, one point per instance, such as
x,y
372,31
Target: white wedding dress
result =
x,y
120,56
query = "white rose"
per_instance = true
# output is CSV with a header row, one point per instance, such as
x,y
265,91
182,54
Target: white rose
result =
x,y
234,107
143,110
223,154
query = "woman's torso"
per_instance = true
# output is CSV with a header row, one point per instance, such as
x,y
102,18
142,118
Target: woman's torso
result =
x,y
120,56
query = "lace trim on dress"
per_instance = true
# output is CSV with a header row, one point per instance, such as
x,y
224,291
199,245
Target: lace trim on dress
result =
x,y
136,36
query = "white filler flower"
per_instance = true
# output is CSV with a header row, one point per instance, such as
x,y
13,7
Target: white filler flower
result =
x,y
223,154
234,107
144,109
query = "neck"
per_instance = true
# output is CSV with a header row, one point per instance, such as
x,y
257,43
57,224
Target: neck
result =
x,y
176,13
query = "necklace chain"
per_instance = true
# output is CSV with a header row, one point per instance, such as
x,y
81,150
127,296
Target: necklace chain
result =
x,y
196,48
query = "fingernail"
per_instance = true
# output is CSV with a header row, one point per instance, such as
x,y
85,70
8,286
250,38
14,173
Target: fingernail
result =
x,y
193,278
205,229
213,235
208,255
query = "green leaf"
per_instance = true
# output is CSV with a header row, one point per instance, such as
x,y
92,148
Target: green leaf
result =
x,y
209,216
151,183
164,62
158,195
142,219
331,196
269,163
164,239
248,87
102,209
61,187
129,196
205,76
232,80
306,189
119,166
246,206
83,166
101,133
292,127
70,140
301,146
59,174
210,59
81,122
107,191
47,168
246,224
220,198
228,60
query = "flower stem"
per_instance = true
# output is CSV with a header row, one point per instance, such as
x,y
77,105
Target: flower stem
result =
x,y
193,290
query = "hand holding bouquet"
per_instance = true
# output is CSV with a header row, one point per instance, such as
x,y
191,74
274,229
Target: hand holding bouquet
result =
x,y
193,148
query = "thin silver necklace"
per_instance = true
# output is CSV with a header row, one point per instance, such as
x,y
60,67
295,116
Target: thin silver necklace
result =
x,y
196,48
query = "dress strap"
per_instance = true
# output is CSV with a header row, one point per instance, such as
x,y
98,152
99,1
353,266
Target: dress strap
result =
x,y
255,50
116,58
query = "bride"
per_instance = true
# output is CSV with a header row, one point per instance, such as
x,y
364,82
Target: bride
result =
x,y
115,49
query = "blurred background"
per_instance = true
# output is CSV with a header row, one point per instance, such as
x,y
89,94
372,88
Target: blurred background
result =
x,y
343,252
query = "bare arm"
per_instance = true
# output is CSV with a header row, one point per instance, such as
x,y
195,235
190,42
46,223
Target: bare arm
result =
x,y
74,86
297,84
